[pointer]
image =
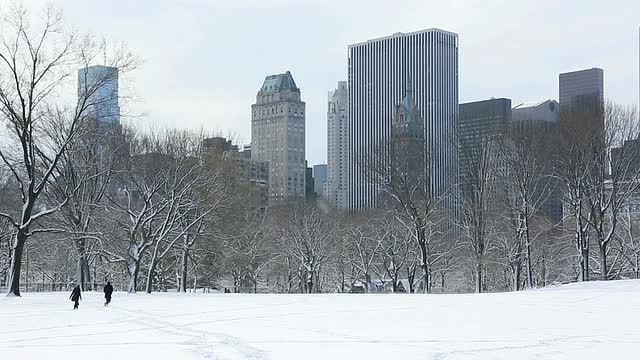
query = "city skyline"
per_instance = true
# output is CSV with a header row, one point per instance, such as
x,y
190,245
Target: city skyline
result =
x,y
201,86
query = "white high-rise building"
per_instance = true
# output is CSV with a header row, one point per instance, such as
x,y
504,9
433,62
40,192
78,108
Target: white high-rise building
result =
x,y
277,136
335,186
378,71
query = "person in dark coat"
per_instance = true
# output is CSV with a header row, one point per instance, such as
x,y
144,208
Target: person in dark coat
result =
x,y
75,297
108,290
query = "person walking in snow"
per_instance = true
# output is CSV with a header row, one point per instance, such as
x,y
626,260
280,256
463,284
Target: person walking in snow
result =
x,y
75,297
108,290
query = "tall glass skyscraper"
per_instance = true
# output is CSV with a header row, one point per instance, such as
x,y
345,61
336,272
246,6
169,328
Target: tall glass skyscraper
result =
x,y
101,84
378,74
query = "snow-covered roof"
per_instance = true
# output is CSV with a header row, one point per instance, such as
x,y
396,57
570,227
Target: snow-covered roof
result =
x,y
531,104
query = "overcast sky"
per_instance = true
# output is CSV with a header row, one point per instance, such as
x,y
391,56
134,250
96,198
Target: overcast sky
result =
x,y
205,60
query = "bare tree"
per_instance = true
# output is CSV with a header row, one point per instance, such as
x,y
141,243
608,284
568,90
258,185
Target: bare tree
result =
x,y
612,179
402,172
83,178
186,188
5,250
398,251
248,255
578,130
527,186
477,198
364,239
36,63
629,238
307,239
138,205
587,130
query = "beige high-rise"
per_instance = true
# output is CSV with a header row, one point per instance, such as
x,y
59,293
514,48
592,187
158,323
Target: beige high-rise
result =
x,y
335,187
278,136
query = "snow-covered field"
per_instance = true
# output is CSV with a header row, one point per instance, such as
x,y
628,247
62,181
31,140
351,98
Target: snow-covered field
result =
x,y
580,321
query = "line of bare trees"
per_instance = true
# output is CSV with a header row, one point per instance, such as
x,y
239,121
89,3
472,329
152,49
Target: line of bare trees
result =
x,y
587,163
84,201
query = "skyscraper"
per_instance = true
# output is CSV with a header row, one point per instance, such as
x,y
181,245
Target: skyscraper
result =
x,y
309,194
378,72
319,178
479,122
542,116
99,86
278,135
582,87
335,187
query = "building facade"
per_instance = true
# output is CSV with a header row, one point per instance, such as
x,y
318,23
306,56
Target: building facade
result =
x,y
544,112
219,145
309,193
335,187
278,136
581,87
254,172
319,179
542,116
407,143
101,83
479,122
378,73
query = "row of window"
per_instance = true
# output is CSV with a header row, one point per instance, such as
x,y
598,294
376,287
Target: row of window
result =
x,y
278,109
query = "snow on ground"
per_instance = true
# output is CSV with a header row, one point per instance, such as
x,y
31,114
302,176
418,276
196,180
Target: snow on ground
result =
x,y
599,320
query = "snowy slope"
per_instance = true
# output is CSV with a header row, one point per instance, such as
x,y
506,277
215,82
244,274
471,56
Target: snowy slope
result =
x,y
580,321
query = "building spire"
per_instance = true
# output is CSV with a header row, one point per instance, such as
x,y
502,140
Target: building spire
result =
x,y
408,93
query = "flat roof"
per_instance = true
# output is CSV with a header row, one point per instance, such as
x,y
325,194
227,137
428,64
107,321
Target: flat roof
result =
x,y
399,34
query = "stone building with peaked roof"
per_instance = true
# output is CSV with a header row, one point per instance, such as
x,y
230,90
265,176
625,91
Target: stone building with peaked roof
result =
x,y
407,137
278,136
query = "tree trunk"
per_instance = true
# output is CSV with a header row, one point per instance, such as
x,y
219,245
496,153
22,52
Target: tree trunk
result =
x,y
151,274
87,273
367,280
583,264
582,246
516,276
478,275
604,269
16,262
183,276
134,269
80,273
310,282
529,266
83,276
426,279
411,275
544,272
